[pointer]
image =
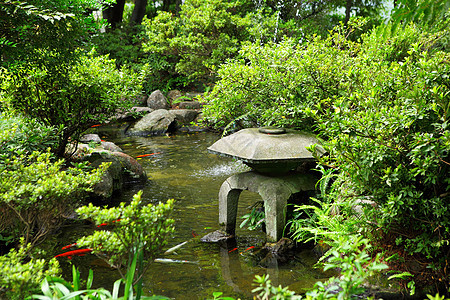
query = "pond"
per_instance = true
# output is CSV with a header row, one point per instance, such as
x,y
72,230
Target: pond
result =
x,y
182,169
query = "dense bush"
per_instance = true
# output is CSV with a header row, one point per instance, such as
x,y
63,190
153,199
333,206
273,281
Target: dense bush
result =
x,y
134,230
36,193
70,97
21,275
204,35
381,106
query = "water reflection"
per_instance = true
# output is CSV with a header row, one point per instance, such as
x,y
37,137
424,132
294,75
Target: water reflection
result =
x,y
184,171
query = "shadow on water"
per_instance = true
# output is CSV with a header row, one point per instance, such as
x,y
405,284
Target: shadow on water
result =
x,y
182,169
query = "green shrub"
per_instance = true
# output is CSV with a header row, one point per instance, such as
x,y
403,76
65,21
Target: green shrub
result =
x,y
36,192
22,275
136,229
71,97
205,34
23,136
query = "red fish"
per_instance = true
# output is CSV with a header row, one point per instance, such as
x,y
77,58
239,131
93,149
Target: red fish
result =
x,y
145,155
69,246
251,247
194,234
97,125
79,252
105,224
232,250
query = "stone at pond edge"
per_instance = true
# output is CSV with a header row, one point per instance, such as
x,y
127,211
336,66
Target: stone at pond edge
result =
x,y
216,236
185,116
174,95
158,122
157,100
189,105
90,137
110,146
133,113
122,168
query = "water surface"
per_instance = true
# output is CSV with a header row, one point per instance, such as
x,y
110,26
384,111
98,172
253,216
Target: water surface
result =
x,y
183,170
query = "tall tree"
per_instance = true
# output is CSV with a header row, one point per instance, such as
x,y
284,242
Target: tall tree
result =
x,y
114,13
138,12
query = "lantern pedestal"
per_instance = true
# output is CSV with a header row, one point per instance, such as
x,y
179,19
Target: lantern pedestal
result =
x,y
274,191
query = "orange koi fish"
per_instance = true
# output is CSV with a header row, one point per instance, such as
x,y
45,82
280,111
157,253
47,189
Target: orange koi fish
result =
x,y
79,252
96,125
251,247
232,250
145,155
105,224
69,246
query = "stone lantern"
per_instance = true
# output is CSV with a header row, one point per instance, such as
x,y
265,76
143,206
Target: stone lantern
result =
x,y
273,154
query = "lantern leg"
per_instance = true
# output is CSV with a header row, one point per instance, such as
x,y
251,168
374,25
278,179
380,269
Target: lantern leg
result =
x,y
228,206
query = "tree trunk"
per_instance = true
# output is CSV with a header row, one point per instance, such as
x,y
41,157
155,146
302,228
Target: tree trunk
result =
x,y
348,10
138,12
167,5
114,13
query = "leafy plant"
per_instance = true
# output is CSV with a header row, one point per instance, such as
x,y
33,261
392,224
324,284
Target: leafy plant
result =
x,y
35,193
54,288
21,274
254,219
137,230
71,97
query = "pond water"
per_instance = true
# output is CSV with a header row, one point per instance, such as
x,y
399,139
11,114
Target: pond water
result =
x,y
183,170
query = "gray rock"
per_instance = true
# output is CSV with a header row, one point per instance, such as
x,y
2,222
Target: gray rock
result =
x,y
112,179
193,94
216,236
91,137
141,100
158,122
110,146
190,105
185,116
129,165
174,95
78,153
157,100
134,113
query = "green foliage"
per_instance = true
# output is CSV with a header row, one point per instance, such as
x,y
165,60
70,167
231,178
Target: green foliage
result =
x,y
266,290
22,275
381,106
23,136
274,84
56,288
35,193
135,228
424,12
356,267
203,36
59,27
254,219
71,97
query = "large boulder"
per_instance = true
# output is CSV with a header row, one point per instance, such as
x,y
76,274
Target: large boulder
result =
x,y
158,122
190,105
185,116
174,95
133,113
90,137
157,100
122,168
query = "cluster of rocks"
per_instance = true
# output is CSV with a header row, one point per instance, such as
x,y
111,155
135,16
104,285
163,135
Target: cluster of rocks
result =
x,y
159,114
121,170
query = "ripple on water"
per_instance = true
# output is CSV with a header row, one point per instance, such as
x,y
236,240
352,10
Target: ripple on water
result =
x,y
229,168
